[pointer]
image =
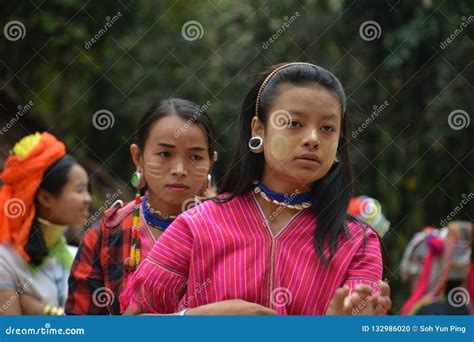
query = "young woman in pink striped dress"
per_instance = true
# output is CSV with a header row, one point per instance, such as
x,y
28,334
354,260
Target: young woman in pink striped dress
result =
x,y
278,240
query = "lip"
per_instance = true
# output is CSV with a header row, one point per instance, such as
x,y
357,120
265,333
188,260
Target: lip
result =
x,y
177,187
85,213
308,160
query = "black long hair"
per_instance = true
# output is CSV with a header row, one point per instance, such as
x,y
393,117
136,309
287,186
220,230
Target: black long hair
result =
x,y
185,109
54,179
330,194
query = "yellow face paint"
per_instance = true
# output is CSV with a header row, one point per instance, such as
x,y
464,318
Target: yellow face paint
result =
x,y
279,146
154,169
201,172
334,151
314,135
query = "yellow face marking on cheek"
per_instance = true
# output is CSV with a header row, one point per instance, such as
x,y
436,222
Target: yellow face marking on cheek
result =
x,y
334,149
333,152
279,146
154,169
201,173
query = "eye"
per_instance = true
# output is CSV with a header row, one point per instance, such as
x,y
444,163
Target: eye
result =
x,y
328,128
163,154
195,157
293,124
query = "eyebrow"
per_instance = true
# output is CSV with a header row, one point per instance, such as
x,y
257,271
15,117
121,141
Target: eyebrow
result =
x,y
329,116
197,148
192,148
325,116
166,145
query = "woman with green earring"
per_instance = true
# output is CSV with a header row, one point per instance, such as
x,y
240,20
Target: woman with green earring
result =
x,y
173,155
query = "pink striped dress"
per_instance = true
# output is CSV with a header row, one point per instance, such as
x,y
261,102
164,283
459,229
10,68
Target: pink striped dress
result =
x,y
217,252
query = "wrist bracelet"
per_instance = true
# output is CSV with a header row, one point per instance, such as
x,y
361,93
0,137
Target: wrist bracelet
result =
x,y
46,310
50,310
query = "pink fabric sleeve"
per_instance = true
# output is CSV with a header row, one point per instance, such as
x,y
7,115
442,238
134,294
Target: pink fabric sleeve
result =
x,y
160,281
366,266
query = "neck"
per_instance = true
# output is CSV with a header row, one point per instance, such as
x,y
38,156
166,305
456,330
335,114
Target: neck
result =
x,y
162,205
51,232
284,186
273,210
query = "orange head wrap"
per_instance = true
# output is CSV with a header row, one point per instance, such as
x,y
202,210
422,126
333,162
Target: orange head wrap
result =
x,y
21,179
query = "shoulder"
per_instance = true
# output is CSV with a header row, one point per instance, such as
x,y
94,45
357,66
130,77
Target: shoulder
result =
x,y
10,257
360,232
112,219
220,205
7,253
117,213
72,250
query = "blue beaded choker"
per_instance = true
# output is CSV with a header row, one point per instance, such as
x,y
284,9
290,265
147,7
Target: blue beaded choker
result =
x,y
152,220
293,201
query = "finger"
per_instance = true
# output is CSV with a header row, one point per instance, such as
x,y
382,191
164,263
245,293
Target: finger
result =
x,y
264,311
384,289
356,300
385,302
337,301
380,310
365,293
336,305
364,289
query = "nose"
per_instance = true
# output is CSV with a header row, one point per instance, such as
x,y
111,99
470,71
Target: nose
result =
x,y
179,170
88,197
311,139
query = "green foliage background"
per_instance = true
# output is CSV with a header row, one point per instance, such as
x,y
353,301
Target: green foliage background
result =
x,y
408,157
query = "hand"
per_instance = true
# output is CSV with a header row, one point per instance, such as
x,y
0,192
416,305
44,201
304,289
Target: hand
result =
x,y
383,301
232,307
30,305
361,301
134,309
